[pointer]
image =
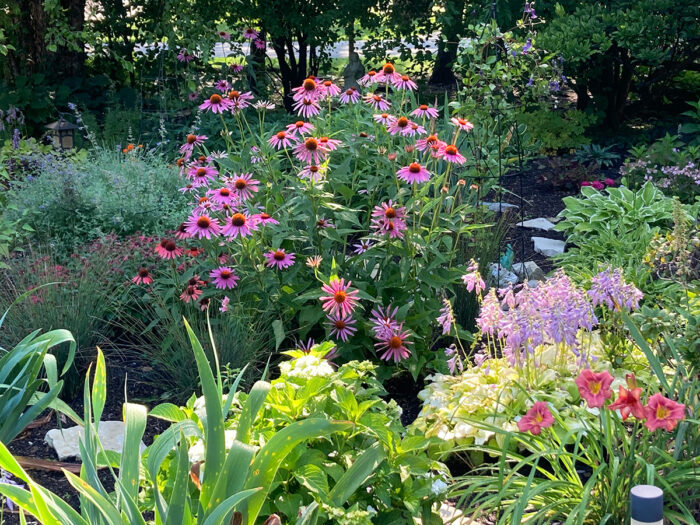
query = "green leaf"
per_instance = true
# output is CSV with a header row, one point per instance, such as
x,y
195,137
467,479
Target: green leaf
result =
x,y
313,478
168,412
278,329
361,469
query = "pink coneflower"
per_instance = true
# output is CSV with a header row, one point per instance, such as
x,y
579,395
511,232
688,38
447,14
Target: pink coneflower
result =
x,y
322,223
263,105
425,111
202,226
417,129
413,173
193,96
216,104
377,101
404,82
238,99
260,44
236,68
244,186
393,344
239,224
662,412
250,33
189,188
341,326
224,278
329,144
310,151
167,249
191,142
223,35
203,205
309,89
349,96
223,195
429,142
265,219
394,228
300,127
224,305
181,232
279,258
307,107
314,261
184,56
340,299
143,276
368,78
388,210
204,303
537,418
330,89
450,153
384,321
313,173
462,124
201,175
387,74
281,139
222,85
401,126
362,246
384,118
594,387
191,293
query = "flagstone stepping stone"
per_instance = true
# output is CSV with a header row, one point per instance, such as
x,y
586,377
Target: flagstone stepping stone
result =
x,y
452,515
539,224
528,271
503,276
66,441
498,206
548,247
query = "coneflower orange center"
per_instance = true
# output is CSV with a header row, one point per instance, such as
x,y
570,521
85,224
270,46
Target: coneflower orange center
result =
x,y
264,216
388,68
224,192
225,274
299,123
313,169
402,122
311,144
281,135
423,107
376,98
143,272
240,184
191,139
170,246
340,324
349,92
279,255
215,99
414,167
395,342
451,150
404,78
238,219
309,84
202,200
201,172
390,213
234,94
339,296
203,222
385,115
327,83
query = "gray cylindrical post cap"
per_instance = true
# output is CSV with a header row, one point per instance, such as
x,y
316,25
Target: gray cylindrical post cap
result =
x,y
647,503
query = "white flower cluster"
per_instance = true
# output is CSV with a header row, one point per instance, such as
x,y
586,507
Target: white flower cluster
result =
x,y
305,367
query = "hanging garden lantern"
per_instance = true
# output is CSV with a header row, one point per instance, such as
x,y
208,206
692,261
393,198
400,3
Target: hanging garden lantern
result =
x,y
62,133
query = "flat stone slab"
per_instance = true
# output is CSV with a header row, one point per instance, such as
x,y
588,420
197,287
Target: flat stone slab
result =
x,y
66,441
503,276
539,224
498,206
528,271
454,516
548,247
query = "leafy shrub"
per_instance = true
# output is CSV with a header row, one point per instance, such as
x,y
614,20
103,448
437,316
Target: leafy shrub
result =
x,y
373,455
81,200
557,131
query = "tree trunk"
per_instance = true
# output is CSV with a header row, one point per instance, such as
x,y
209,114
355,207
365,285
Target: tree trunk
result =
x,y
72,61
452,26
